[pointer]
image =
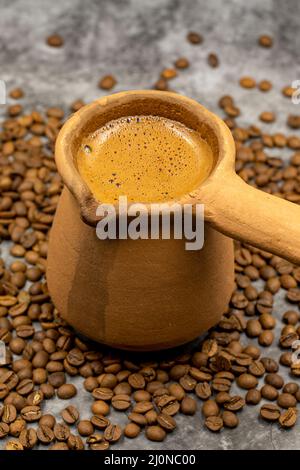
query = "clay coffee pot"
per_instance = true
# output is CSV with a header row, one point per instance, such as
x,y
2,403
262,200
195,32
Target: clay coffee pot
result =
x,y
154,294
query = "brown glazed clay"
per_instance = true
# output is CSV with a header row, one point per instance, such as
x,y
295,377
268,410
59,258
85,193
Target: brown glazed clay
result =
x,y
154,294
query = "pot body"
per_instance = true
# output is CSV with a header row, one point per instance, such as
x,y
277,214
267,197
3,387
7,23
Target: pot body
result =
x,y
136,294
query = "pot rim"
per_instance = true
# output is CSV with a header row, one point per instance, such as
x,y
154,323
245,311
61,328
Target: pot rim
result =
x,y
75,125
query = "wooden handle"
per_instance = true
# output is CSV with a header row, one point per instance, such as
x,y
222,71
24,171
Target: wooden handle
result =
x,y
255,217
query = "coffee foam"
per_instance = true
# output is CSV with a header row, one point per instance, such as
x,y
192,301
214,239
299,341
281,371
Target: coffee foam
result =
x,y
146,158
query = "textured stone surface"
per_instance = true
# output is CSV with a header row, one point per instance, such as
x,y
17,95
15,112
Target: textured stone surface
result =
x,y
134,40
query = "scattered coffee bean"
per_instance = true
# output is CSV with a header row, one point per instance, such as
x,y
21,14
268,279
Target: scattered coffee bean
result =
x,y
230,420
253,396
265,41
286,400
247,82
269,392
45,434
194,38
155,433
214,423
55,40
66,391
270,412
132,430
182,63
70,414
288,418
28,438
85,428
107,82
247,381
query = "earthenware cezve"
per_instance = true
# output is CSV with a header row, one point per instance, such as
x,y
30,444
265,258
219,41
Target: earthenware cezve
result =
x,y
154,294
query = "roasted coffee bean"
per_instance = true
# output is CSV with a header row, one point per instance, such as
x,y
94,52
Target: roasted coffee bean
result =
x,y
138,418
286,340
253,396
61,432
57,379
266,338
247,82
75,442
222,397
125,389
132,430
286,400
291,387
155,433
121,402
112,433
9,413
270,365
45,434
188,383
14,445
28,438
275,380
234,403
291,317
188,406
151,417
48,390
210,347
75,357
103,393
221,385
107,82
104,445
214,423
90,383
230,420
66,391
25,387
194,38
166,422
100,422
31,413
55,40
269,392
288,418
295,369
176,390
270,412
100,407
247,381
10,379
203,390
85,428
265,41
107,380
142,407
4,391
210,408
182,63
213,60
59,446
168,405
257,368
4,429
70,414
16,427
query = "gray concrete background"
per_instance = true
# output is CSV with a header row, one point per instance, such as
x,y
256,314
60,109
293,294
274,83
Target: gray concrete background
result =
x,y
134,40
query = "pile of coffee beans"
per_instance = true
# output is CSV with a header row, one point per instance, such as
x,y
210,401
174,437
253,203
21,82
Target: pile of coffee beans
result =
x,y
43,352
